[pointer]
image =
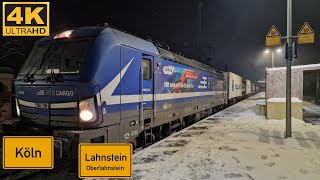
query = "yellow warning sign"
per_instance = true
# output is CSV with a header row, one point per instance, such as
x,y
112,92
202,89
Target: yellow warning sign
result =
x,y
273,37
28,152
306,34
100,160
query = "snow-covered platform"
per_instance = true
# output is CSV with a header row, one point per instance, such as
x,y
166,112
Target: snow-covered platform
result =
x,y
235,144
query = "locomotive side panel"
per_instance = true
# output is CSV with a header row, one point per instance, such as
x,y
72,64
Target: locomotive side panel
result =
x,y
132,84
182,90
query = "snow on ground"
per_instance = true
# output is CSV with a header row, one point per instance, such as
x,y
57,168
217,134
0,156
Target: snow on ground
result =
x,y
284,100
234,144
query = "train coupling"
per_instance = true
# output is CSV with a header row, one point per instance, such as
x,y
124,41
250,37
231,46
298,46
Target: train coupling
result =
x,y
62,147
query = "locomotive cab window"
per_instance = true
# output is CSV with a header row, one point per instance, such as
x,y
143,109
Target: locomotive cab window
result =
x,y
146,68
64,55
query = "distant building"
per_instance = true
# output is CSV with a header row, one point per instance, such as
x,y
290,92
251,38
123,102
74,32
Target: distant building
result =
x,y
6,84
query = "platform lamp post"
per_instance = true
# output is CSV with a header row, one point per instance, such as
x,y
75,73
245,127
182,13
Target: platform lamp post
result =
x,y
288,70
273,51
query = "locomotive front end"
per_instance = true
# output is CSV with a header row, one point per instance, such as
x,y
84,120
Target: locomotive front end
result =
x,y
53,94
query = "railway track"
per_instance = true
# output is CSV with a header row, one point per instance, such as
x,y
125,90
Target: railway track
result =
x,y
62,170
17,174
312,100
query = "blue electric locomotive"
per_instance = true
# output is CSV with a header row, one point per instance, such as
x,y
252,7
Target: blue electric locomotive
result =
x,y
100,84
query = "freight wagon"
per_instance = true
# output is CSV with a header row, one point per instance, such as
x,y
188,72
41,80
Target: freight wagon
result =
x,y
248,88
234,87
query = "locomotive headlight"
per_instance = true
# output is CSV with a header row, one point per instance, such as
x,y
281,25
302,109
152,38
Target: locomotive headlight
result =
x,y
87,110
86,115
17,108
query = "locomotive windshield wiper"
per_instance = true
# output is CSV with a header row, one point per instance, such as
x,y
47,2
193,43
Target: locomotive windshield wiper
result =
x,y
27,76
45,55
48,55
52,74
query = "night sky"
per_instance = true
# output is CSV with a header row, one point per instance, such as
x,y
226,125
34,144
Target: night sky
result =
x,y
233,31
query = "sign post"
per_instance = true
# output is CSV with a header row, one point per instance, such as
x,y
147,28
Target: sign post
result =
x,y
306,35
288,81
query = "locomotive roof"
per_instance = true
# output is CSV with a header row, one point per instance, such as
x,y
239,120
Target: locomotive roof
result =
x,y
133,41
130,40
147,46
78,32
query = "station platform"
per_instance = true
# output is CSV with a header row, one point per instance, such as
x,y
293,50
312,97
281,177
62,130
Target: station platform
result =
x,y
235,144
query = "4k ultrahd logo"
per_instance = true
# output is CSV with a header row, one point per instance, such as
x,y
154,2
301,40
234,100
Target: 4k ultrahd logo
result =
x,y
25,19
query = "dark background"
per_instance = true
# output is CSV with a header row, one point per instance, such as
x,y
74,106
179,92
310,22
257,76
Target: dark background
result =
x,y
232,32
